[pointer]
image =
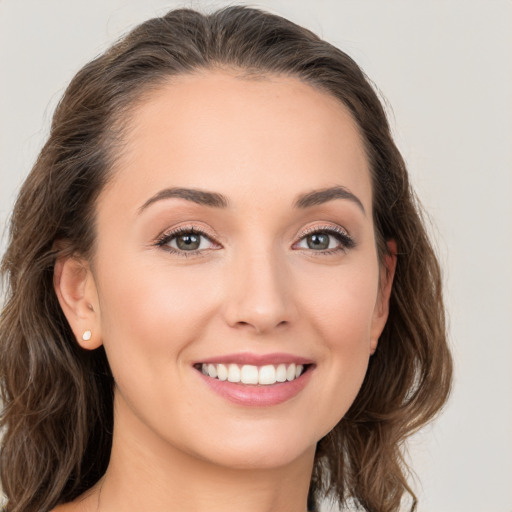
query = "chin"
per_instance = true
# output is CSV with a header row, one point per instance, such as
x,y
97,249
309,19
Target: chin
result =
x,y
263,447
262,457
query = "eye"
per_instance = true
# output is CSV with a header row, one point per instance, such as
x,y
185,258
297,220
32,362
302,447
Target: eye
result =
x,y
328,240
186,240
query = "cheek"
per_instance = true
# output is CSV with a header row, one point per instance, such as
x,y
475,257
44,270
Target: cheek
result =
x,y
341,303
340,310
150,317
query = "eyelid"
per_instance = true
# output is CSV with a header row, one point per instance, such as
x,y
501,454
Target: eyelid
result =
x,y
323,227
187,228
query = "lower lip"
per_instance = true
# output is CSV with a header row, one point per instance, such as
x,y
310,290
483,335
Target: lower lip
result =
x,y
252,395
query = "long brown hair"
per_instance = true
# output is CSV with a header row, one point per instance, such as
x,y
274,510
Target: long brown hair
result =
x,y
58,398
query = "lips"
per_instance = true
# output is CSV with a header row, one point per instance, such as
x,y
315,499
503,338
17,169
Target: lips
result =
x,y
255,379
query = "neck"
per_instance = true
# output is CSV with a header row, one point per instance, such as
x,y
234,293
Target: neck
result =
x,y
146,473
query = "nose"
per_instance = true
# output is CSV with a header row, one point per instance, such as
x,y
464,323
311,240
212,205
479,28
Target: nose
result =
x,y
259,296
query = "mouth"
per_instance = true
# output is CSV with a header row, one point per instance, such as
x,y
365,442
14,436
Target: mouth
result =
x,y
256,380
253,375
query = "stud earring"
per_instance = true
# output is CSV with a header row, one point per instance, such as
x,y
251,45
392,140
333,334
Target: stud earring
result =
x,y
86,336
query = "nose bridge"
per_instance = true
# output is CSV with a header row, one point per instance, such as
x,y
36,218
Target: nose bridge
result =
x,y
259,288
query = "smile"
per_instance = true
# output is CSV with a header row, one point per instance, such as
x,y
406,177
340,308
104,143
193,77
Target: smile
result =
x,y
266,375
256,380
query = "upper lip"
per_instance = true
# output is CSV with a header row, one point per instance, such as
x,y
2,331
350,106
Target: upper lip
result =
x,y
257,359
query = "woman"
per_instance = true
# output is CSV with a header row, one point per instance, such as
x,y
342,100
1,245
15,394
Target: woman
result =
x,y
220,290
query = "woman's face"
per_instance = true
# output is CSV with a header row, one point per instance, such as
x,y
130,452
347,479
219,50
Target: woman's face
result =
x,y
236,236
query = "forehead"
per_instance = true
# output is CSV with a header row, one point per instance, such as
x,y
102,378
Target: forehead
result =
x,y
220,131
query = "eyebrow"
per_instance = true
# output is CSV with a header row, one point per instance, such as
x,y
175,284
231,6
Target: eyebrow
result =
x,y
324,195
216,200
202,197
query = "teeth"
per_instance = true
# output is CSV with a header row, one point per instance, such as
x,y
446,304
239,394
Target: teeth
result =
x,y
281,373
212,370
222,372
250,374
290,372
267,375
233,373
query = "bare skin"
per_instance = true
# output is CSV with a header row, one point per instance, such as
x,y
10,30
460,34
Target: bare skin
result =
x,y
268,274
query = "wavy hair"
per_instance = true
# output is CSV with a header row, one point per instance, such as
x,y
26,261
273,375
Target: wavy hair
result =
x,y
58,399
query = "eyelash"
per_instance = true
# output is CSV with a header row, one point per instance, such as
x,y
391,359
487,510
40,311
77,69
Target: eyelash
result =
x,y
346,241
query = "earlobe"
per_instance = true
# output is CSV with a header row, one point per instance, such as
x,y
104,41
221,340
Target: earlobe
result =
x,y
76,291
381,311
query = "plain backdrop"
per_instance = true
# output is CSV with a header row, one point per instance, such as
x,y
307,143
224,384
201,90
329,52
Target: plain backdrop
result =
x,y
445,69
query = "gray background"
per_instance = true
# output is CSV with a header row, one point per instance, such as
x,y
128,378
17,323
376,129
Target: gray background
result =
x,y
445,67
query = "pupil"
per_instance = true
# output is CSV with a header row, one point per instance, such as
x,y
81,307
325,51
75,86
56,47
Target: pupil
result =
x,y
188,242
318,241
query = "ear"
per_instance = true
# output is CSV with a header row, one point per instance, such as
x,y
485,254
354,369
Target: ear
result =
x,y
76,290
381,312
